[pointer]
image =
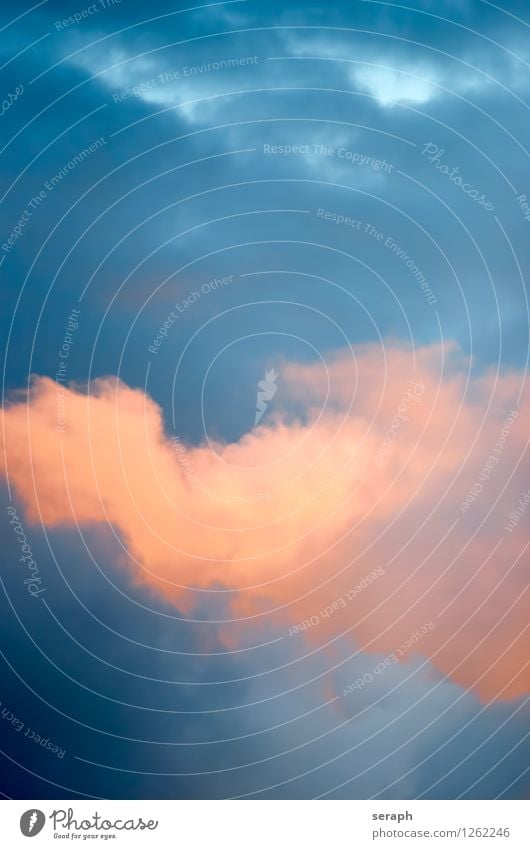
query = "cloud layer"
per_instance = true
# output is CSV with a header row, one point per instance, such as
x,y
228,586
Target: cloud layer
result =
x,y
384,458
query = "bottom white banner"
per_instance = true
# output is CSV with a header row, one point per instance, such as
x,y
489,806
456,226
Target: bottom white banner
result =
x,y
262,824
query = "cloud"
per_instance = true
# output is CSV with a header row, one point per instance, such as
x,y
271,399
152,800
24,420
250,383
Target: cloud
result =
x,y
392,85
416,84
198,89
367,462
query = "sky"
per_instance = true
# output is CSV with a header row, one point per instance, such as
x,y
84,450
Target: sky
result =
x,y
264,431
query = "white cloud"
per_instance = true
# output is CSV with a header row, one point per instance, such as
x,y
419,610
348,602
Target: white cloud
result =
x,y
390,85
191,89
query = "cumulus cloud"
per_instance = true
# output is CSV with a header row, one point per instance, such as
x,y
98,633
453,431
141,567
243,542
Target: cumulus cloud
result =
x,y
366,462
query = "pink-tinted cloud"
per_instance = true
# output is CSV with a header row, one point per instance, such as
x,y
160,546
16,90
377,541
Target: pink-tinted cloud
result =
x,y
368,465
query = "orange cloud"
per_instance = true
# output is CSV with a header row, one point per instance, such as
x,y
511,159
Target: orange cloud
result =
x,y
392,460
